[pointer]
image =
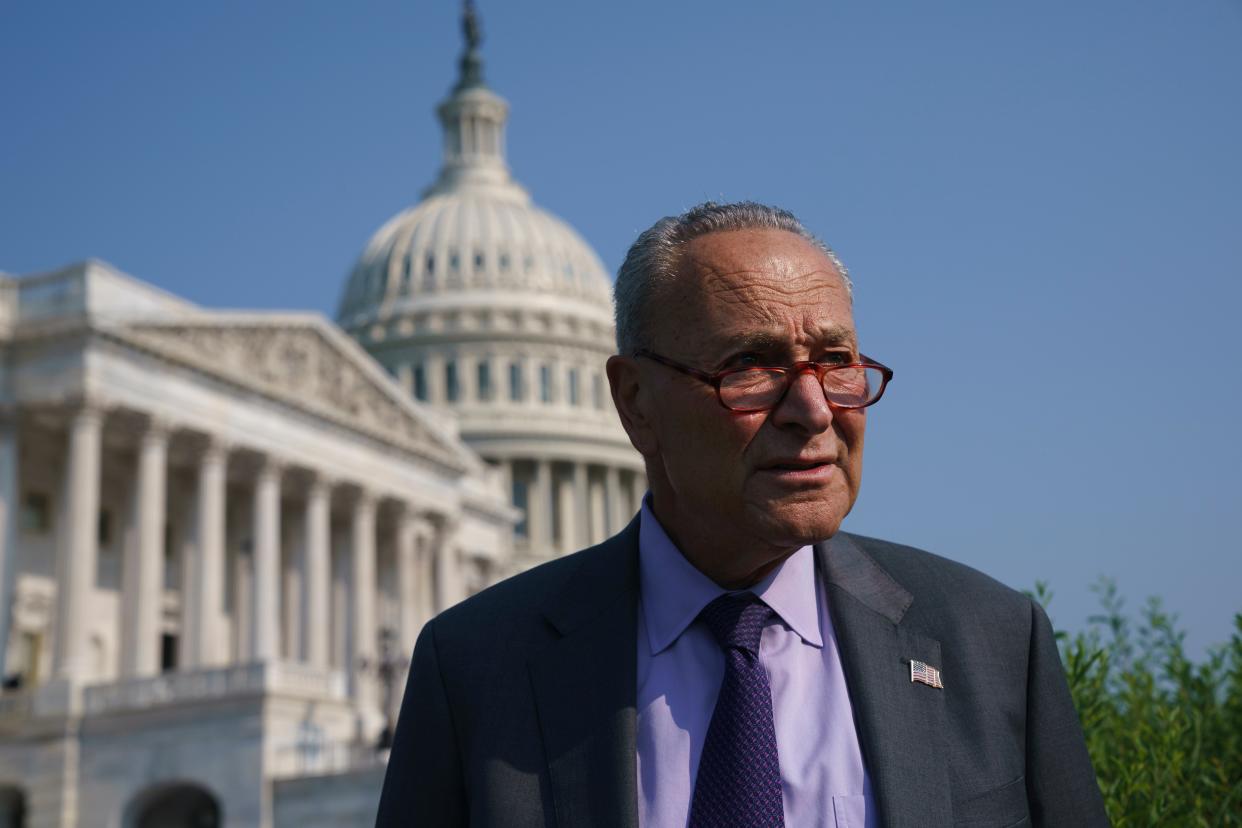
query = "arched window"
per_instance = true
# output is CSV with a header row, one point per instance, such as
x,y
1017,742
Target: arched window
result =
x,y
452,390
573,386
521,501
173,803
420,382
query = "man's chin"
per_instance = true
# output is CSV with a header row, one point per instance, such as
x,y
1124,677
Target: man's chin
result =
x,y
795,527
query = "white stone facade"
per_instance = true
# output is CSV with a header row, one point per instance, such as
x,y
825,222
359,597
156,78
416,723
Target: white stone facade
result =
x,y
208,518
221,532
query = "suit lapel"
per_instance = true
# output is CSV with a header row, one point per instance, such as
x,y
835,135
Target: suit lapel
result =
x,y
900,723
584,686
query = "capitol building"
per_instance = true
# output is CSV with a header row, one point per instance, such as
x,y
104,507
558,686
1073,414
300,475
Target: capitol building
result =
x,y
222,530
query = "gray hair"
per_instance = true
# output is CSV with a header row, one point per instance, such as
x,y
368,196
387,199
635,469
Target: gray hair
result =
x,y
653,259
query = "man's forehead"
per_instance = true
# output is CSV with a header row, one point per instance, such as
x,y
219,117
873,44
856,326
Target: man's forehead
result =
x,y
762,289
754,252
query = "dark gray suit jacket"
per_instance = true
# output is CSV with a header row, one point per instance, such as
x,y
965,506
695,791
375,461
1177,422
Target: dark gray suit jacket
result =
x,y
520,711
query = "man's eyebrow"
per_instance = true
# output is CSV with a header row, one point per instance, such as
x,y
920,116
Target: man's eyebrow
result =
x,y
768,340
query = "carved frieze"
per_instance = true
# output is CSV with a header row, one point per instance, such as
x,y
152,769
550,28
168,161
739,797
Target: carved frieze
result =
x,y
300,364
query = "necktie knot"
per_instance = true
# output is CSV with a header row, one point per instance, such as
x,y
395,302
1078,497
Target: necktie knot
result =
x,y
736,619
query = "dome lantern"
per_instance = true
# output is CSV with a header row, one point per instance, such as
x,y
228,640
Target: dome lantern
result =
x,y
473,119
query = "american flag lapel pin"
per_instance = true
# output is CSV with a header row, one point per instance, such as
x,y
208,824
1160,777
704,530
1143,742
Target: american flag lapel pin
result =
x,y
925,674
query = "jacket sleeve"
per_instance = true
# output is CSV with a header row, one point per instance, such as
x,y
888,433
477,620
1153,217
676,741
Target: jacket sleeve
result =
x,y
1060,783
423,785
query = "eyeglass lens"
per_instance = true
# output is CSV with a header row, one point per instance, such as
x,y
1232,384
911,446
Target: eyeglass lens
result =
x,y
760,388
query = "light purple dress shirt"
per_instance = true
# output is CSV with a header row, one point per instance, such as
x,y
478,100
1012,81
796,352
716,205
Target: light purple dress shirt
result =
x,y
680,668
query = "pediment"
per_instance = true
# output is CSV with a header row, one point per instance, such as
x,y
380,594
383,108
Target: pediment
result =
x,y
304,361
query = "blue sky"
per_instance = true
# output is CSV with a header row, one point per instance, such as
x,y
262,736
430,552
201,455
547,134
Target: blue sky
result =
x,y
1041,205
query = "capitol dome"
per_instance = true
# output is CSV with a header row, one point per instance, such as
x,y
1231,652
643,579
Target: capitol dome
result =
x,y
498,313
464,242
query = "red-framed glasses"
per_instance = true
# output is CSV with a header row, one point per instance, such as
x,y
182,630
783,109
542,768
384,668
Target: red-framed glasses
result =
x,y
849,386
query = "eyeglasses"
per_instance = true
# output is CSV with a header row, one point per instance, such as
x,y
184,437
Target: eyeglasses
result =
x,y
850,386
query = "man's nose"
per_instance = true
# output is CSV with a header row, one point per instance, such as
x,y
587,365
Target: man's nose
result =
x,y
804,404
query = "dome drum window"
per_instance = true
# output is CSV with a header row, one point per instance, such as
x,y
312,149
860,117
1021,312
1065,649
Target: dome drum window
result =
x,y
484,380
516,392
452,389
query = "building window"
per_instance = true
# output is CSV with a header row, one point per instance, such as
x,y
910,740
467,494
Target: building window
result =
x,y
485,381
168,652
37,513
451,389
597,390
573,386
515,382
431,263
545,383
28,657
105,527
420,382
478,261
521,501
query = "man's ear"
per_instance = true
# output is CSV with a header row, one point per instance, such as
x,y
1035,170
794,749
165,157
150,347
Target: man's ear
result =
x,y
633,403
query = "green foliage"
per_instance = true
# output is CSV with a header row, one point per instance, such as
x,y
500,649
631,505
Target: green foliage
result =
x,y
1164,733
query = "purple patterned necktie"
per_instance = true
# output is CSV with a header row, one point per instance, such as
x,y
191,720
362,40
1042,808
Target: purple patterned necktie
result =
x,y
739,780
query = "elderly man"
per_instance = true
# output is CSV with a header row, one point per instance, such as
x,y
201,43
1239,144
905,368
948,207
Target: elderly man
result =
x,y
732,658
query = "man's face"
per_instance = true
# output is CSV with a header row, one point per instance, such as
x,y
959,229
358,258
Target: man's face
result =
x,y
779,478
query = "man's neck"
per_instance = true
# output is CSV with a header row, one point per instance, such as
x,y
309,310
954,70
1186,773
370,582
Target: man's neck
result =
x,y
731,562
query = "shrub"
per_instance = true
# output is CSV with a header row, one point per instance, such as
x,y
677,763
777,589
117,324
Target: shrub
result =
x,y
1164,733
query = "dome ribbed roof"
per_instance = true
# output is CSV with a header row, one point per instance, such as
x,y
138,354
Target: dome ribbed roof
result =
x,y
476,229
468,241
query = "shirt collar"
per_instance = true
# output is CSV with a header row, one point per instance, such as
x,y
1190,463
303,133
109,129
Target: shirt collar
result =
x,y
674,592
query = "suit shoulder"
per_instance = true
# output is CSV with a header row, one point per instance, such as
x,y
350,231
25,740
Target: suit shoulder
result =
x,y
514,597
934,577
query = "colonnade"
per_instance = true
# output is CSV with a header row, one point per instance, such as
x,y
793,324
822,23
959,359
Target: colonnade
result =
x,y
571,504
425,555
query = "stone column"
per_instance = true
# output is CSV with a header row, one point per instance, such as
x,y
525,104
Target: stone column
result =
x,y
77,547
204,599
10,506
638,488
424,572
567,513
500,379
293,589
505,466
539,509
467,379
362,602
599,509
534,391
408,609
142,589
581,507
448,570
265,613
405,378
318,533
612,500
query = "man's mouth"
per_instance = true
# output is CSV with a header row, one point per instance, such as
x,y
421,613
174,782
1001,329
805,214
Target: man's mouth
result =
x,y
798,465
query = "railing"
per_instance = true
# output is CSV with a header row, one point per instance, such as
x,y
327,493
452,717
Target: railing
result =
x,y
16,704
314,757
216,683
